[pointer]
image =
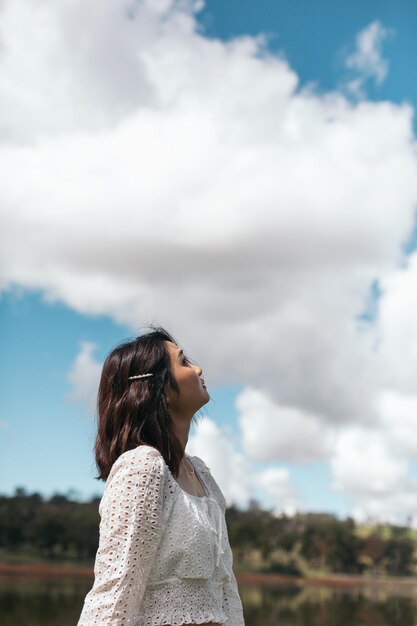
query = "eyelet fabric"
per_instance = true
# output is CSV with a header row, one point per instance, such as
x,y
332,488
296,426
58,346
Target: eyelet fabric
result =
x,y
164,555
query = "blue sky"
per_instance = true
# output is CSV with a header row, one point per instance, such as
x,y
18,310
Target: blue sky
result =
x,y
315,36
263,276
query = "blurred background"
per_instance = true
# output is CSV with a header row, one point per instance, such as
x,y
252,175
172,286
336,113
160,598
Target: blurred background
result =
x,y
245,175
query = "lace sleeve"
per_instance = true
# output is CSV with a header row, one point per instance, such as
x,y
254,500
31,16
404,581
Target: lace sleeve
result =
x,y
232,604
130,531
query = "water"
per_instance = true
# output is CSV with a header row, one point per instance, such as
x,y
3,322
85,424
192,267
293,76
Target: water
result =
x,y
30,601
57,601
320,606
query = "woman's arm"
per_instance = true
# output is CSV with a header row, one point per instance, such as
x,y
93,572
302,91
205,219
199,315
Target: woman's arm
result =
x,y
232,604
130,532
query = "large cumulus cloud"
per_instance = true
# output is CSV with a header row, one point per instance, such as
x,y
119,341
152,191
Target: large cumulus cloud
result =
x,y
151,173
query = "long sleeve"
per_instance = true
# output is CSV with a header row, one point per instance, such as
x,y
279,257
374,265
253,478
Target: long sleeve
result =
x,y
232,604
131,528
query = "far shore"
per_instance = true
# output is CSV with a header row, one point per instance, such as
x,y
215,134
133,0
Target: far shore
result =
x,y
335,581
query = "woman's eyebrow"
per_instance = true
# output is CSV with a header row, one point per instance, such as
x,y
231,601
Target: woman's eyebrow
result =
x,y
180,353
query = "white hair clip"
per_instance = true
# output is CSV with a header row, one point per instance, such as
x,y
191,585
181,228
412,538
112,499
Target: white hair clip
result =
x,y
140,376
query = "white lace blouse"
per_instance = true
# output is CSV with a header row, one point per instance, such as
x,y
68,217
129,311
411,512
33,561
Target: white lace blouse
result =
x,y
164,555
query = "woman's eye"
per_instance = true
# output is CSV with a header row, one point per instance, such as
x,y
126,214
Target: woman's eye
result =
x,y
184,360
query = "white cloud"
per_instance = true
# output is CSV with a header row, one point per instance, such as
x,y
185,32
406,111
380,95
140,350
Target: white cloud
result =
x,y
397,327
84,377
367,61
373,470
396,508
245,248
279,494
270,431
228,466
364,464
398,415
152,173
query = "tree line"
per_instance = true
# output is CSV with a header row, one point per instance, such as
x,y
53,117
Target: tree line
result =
x,y
56,528
59,528
307,543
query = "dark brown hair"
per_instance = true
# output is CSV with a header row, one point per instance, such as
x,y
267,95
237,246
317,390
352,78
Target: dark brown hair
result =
x,y
135,412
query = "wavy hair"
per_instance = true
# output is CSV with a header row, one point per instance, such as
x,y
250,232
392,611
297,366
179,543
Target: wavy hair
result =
x,y
135,412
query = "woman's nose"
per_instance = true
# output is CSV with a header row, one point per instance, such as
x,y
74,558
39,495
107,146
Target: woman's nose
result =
x,y
199,370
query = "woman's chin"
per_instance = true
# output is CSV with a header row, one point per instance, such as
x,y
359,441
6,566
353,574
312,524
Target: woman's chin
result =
x,y
205,398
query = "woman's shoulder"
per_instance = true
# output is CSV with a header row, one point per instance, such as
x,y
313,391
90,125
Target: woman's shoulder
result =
x,y
139,475
143,458
198,461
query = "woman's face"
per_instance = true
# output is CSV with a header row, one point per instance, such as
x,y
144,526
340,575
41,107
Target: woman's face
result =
x,y
193,393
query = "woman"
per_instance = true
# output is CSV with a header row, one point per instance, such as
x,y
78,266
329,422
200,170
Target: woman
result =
x,y
164,555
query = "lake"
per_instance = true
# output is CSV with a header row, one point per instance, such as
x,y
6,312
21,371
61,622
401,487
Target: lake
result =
x,y
57,601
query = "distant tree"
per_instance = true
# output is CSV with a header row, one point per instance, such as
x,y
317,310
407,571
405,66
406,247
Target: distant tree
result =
x,y
399,555
316,541
16,516
372,550
82,532
49,531
343,555
59,500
